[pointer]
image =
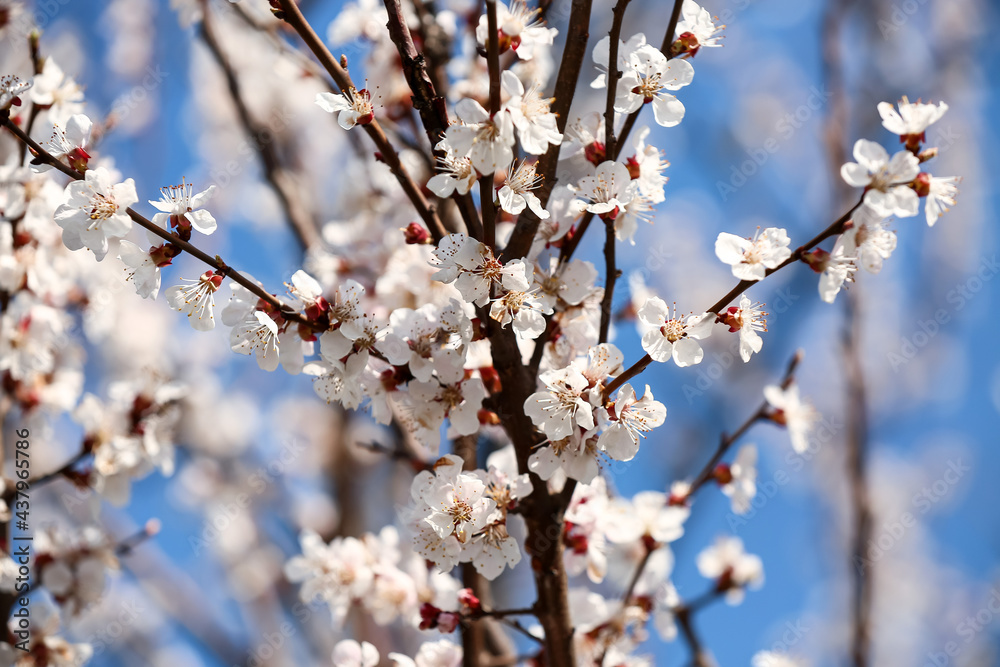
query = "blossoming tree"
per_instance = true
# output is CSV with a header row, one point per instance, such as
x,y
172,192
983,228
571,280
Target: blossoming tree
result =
x,y
456,315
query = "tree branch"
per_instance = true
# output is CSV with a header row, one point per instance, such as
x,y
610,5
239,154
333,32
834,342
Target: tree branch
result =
x,y
302,222
727,441
577,35
216,263
836,227
387,153
611,274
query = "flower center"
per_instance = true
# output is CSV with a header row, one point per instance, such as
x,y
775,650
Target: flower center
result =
x,y
672,330
102,208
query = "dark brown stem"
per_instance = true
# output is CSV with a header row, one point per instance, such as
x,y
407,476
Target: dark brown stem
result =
x,y
427,101
56,474
489,211
668,36
543,513
835,228
386,152
614,74
301,221
857,441
577,35
611,274
493,55
473,631
727,441
699,656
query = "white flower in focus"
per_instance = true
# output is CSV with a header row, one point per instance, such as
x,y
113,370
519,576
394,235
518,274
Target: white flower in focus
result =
x,y
751,258
732,568
197,299
647,168
142,268
799,418
748,318
459,402
696,29
179,208
524,310
457,500
352,106
516,192
95,211
629,419
455,175
672,336
886,181
520,29
741,486
912,119
257,334
601,55
560,408
70,142
529,111
835,269
570,281
337,381
487,141
574,457
474,270
648,75
609,190
349,653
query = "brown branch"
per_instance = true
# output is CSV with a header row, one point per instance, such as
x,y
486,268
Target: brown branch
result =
x,y
493,55
55,474
577,35
386,152
727,441
668,36
301,221
542,512
699,656
611,274
473,632
836,227
486,199
857,441
613,75
428,102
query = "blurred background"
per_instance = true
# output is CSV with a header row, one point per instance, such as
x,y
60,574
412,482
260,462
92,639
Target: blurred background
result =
x,y
801,78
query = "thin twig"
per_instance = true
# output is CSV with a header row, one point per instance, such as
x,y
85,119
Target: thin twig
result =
x,y
216,263
614,74
727,441
301,221
836,227
60,472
